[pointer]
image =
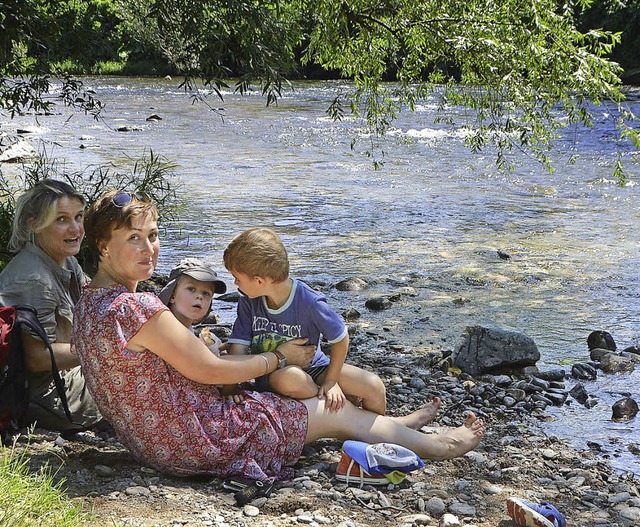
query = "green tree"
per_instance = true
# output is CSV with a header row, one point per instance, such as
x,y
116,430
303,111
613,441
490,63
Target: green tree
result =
x,y
521,67
249,41
618,16
24,87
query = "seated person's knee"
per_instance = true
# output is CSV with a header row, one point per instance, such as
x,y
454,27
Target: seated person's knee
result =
x,y
375,384
292,382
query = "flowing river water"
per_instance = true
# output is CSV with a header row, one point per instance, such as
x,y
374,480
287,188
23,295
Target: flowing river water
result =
x,y
433,217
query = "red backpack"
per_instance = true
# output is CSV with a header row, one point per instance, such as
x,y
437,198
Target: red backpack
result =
x,y
14,388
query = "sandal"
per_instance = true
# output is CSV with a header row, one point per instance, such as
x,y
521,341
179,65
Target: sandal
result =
x,y
529,514
252,491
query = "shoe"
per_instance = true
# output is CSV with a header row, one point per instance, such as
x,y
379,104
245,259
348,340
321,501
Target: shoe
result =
x,y
529,514
351,472
252,491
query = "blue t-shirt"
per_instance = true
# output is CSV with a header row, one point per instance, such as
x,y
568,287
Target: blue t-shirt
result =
x,y
305,314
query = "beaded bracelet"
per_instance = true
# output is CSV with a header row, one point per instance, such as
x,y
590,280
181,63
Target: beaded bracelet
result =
x,y
266,361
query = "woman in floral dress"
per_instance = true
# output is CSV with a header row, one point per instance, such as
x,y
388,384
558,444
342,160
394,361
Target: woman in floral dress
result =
x,y
155,382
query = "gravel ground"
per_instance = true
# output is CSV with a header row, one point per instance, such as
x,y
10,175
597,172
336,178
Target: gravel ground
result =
x,y
514,459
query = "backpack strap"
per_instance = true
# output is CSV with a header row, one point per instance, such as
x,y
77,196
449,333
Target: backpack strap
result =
x,y
27,315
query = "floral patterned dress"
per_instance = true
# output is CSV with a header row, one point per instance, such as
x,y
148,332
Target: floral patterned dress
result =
x,y
169,422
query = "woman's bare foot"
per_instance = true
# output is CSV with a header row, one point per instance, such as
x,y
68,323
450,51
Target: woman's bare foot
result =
x,y
421,417
463,439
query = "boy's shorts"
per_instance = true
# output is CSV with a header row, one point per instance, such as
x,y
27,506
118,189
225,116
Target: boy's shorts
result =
x,y
262,383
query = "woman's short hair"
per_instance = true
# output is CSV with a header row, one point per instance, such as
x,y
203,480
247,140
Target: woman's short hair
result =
x,y
114,210
258,252
36,209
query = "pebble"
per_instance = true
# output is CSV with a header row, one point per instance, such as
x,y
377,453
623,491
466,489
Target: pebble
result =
x,y
549,453
462,509
137,491
449,520
250,511
620,497
436,506
103,471
509,461
492,490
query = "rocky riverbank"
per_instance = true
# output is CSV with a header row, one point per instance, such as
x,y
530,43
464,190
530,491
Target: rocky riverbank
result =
x,y
514,459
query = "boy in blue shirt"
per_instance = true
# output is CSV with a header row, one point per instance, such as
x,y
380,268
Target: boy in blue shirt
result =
x,y
275,308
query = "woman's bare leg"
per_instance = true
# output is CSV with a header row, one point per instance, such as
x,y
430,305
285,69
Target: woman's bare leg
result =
x,y
353,423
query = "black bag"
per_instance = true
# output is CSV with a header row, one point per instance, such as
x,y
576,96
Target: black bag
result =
x,y
14,389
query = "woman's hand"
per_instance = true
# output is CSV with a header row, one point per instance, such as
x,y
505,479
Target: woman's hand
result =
x,y
333,395
298,352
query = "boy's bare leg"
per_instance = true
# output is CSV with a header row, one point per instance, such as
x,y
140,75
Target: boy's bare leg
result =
x,y
364,386
293,382
368,388
353,423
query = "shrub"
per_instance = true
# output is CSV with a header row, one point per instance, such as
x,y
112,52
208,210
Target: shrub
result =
x,y
154,175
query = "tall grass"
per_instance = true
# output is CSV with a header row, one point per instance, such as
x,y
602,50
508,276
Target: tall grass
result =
x,y
33,499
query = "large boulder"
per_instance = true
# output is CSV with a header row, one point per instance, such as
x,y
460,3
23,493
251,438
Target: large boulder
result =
x,y
493,350
18,152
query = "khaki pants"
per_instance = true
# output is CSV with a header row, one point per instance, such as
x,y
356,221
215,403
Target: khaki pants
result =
x,y
46,410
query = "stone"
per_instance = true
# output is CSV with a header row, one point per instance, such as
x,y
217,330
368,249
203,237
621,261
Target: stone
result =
x,y
624,409
579,393
351,314
621,497
18,152
632,349
250,511
138,490
103,471
491,349
378,303
435,506
460,508
352,284
601,339
583,371
616,364
492,490
557,398
596,354
551,375
449,520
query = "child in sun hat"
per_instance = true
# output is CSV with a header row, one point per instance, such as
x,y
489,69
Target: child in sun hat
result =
x,y
189,294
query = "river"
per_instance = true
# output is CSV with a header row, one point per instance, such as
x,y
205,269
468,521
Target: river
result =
x,y
433,217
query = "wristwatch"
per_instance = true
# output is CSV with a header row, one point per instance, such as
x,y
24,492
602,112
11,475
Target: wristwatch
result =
x,y
282,360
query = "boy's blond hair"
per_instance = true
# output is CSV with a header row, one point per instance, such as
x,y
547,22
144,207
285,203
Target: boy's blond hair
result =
x,y
258,252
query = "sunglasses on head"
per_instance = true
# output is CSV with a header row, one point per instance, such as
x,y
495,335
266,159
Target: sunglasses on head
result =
x,y
122,198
